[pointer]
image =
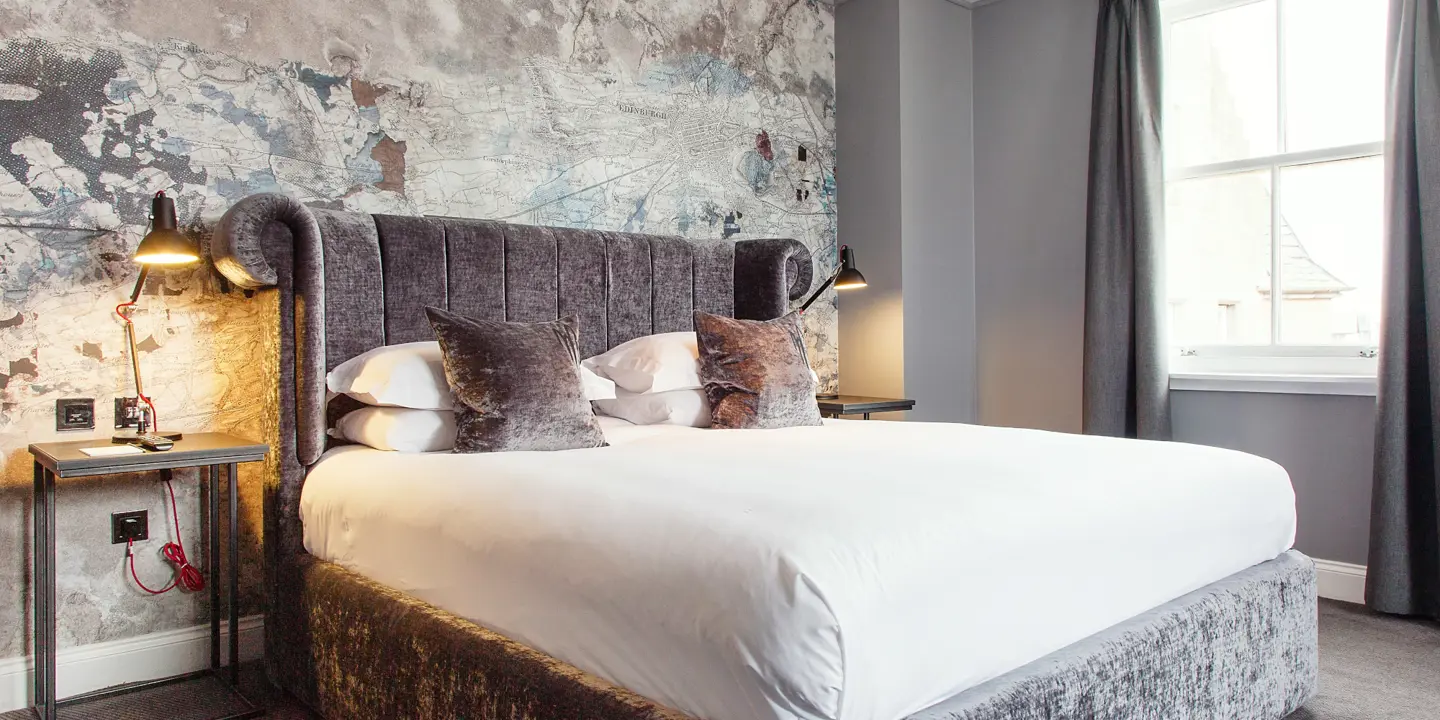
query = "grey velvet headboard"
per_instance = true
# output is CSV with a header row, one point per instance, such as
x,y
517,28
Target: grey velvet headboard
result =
x,y
349,282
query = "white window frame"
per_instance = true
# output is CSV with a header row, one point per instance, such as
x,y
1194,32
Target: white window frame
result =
x,y
1320,369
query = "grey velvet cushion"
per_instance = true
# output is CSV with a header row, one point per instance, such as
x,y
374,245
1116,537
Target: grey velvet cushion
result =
x,y
755,372
517,386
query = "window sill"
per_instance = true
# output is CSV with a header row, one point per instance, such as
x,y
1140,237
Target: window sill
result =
x,y
1284,384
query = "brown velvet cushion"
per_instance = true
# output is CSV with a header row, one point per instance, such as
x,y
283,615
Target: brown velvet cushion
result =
x,y
755,372
516,385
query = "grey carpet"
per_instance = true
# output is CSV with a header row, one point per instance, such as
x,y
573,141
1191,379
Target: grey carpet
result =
x,y
1375,666
1371,667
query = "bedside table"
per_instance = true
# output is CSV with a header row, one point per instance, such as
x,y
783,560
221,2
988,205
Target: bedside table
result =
x,y
64,459
861,405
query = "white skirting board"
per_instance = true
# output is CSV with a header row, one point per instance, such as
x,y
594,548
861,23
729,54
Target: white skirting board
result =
x,y
1341,581
88,668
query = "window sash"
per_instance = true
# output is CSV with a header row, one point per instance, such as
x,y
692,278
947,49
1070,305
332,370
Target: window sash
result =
x,y
1274,357
1279,351
1267,360
1173,11
1282,160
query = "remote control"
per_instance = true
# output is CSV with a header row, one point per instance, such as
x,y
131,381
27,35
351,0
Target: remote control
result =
x,y
157,443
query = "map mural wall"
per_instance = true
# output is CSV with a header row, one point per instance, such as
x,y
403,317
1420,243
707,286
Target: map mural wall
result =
x,y
700,118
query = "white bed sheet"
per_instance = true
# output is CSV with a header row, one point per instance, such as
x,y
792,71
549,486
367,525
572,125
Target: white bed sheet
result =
x,y
856,571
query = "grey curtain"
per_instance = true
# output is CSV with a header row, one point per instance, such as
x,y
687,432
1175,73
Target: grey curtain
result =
x,y
1126,379
1404,570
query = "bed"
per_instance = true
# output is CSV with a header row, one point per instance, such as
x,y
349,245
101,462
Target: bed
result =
x,y
855,570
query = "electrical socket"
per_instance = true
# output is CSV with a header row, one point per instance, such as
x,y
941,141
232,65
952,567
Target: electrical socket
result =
x,y
127,412
129,526
75,414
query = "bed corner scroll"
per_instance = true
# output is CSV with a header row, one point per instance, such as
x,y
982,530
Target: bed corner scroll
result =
x,y
767,271
238,242
272,240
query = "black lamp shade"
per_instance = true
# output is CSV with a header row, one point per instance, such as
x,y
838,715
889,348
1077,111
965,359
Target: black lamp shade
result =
x,y
165,244
848,278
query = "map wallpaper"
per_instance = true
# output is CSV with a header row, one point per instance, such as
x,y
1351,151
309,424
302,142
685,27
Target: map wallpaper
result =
x,y
700,118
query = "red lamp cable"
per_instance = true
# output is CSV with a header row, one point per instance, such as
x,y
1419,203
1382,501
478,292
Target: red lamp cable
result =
x,y
187,576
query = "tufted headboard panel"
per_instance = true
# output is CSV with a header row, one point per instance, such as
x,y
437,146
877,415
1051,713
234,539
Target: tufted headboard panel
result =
x,y
349,282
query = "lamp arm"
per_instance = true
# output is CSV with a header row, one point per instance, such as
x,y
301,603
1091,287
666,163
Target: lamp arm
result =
x,y
823,287
130,327
124,312
134,359
139,284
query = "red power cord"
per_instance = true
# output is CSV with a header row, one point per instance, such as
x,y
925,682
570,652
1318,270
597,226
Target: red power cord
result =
x,y
154,416
186,575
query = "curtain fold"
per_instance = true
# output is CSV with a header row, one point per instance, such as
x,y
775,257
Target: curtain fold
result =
x,y
1126,383
1403,576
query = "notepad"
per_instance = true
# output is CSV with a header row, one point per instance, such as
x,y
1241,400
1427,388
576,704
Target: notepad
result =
x,y
112,450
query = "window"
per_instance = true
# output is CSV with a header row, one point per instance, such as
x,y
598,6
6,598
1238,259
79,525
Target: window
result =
x,y
1274,122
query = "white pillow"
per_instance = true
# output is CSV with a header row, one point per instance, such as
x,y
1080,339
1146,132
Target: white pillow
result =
x,y
673,407
400,429
412,375
596,387
654,363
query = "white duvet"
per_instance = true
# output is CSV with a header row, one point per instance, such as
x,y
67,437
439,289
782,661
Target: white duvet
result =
x,y
856,571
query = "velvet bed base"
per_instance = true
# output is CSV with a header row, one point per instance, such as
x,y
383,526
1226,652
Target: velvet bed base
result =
x,y
353,649
1244,647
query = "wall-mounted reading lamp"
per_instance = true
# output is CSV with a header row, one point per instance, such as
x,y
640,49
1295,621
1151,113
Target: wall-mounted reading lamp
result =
x,y
845,277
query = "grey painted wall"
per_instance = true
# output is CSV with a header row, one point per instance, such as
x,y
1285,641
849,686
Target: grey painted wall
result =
x,y
1033,64
867,112
905,146
1325,442
938,206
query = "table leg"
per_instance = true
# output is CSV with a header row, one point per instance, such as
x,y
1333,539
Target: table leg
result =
x,y
51,601
212,566
234,569
38,575
867,416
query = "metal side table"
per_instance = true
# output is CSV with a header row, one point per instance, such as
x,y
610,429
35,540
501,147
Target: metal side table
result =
x,y
860,405
214,688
